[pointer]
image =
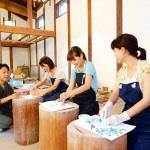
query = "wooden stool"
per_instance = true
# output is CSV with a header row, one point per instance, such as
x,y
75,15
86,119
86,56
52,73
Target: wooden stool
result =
x,y
26,119
53,127
82,139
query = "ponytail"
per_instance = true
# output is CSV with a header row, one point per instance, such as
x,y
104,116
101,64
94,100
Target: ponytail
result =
x,y
141,54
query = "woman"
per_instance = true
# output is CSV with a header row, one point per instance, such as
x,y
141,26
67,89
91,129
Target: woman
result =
x,y
133,86
55,78
6,96
85,79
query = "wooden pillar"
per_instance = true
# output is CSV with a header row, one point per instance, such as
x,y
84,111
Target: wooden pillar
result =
x,y
0,45
36,48
69,34
29,13
11,57
119,21
55,43
89,12
29,59
119,17
44,29
10,48
0,51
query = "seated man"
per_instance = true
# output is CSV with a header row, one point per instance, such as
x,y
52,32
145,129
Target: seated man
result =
x,y
6,96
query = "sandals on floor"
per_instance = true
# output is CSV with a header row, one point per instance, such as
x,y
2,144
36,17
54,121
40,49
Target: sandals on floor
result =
x,y
3,129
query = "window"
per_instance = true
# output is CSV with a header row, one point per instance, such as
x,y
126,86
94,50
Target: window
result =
x,y
40,23
61,7
11,22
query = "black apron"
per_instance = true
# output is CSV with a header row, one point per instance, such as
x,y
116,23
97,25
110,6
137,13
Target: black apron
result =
x,y
51,96
87,99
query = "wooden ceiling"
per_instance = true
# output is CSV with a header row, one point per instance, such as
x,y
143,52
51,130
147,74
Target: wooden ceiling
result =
x,y
24,3
19,7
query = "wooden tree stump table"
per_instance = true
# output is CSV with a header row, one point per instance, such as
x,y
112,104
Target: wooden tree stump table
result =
x,y
26,119
82,139
53,127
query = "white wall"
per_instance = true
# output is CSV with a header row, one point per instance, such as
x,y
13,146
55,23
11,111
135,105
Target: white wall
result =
x,y
103,31
3,13
20,57
50,48
19,21
136,21
62,43
49,16
33,54
6,56
40,53
78,21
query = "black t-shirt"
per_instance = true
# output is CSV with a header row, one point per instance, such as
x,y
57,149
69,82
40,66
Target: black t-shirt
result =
x,y
6,90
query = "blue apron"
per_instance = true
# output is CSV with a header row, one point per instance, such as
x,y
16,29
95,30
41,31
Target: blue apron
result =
x,y
56,93
139,138
87,99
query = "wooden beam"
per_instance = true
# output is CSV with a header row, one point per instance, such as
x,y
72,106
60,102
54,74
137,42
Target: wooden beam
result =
x,y
31,39
15,8
89,12
39,39
23,37
29,13
10,43
22,30
119,17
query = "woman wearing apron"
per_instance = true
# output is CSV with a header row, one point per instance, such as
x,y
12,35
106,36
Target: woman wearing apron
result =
x,y
6,96
133,86
83,83
55,79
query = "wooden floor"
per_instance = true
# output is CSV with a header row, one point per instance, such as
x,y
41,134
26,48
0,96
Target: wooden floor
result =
x,y
7,142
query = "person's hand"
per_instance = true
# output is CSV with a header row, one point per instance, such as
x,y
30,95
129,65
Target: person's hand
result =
x,y
15,95
63,96
27,92
117,119
105,111
37,92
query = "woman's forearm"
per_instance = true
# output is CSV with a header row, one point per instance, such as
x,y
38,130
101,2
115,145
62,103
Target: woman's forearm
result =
x,y
138,107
